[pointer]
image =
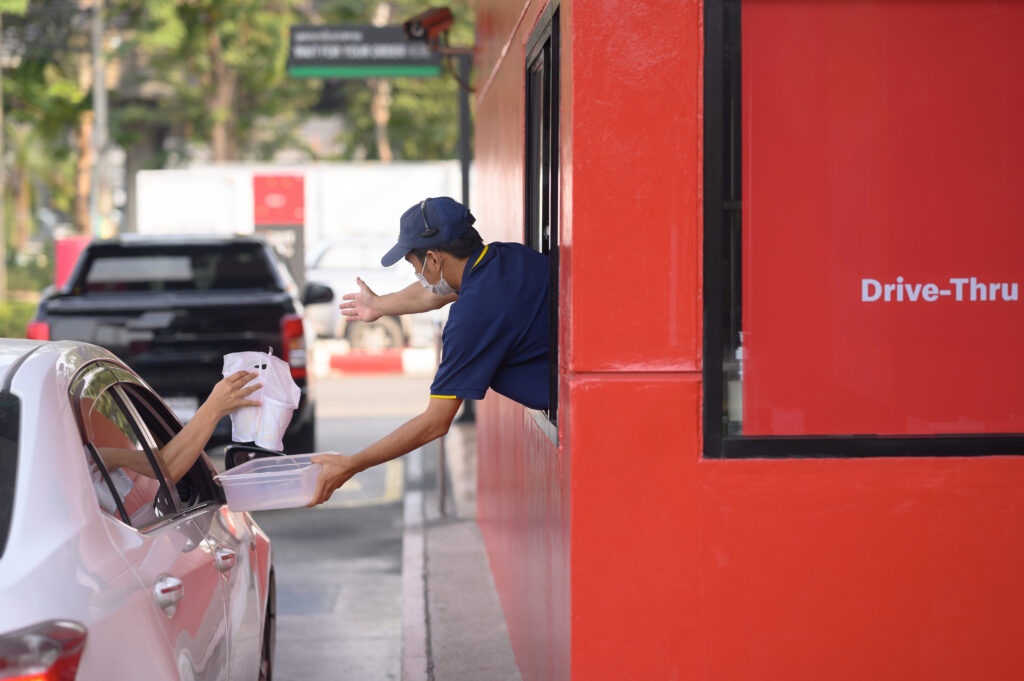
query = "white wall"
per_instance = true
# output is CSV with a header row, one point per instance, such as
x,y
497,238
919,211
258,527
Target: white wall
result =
x,y
342,199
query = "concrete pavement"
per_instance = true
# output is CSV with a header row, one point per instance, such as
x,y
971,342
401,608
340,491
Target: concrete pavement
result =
x,y
378,583
453,627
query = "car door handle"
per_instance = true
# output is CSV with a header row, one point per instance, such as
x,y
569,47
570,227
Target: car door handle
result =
x,y
224,558
168,591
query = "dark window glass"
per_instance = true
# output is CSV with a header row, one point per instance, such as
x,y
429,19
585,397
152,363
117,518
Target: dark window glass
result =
x,y
10,427
171,268
542,149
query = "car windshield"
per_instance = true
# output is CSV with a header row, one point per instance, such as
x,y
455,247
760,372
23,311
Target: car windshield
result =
x,y
10,418
177,268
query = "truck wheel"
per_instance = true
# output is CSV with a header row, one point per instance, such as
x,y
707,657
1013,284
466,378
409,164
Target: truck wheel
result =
x,y
383,334
302,442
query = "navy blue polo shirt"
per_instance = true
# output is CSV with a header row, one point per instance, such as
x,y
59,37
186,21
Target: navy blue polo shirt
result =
x,y
497,331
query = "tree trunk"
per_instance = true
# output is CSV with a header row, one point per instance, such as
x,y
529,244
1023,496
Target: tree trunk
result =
x,y
22,210
222,103
83,172
380,109
139,156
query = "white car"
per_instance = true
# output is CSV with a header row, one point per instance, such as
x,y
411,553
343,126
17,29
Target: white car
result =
x,y
337,264
117,575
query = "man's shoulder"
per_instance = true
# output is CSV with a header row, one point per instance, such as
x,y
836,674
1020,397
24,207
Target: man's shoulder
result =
x,y
515,247
519,255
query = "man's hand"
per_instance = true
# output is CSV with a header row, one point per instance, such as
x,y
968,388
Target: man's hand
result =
x,y
335,472
361,306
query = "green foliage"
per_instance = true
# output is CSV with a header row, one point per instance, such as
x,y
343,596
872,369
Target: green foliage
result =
x,y
424,123
181,41
221,63
13,6
191,68
43,95
14,317
32,277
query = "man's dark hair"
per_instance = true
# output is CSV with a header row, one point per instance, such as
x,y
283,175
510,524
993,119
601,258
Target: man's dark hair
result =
x,y
461,246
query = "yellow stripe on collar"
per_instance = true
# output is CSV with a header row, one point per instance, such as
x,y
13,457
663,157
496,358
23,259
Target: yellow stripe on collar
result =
x,y
482,254
445,397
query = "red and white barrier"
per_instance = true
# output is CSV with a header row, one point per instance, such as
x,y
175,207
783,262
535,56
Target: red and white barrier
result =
x,y
335,357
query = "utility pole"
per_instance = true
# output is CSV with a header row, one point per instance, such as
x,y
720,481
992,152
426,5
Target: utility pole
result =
x,y
99,189
465,129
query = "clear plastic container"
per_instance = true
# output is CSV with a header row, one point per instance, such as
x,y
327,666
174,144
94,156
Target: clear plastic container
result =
x,y
271,482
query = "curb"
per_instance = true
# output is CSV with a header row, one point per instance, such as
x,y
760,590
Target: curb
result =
x,y
415,655
362,362
331,359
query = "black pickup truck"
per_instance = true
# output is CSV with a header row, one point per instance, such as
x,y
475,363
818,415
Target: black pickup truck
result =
x,y
171,308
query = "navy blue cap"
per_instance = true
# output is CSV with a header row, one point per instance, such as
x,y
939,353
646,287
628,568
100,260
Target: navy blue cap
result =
x,y
429,223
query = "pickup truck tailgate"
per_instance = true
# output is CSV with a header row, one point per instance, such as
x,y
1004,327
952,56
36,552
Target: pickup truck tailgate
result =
x,y
175,341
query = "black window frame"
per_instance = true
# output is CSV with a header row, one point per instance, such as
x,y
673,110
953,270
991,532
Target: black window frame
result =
x,y
162,425
114,373
10,439
723,276
541,75
163,496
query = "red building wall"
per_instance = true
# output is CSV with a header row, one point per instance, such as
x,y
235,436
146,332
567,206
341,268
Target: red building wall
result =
x,y
622,553
524,479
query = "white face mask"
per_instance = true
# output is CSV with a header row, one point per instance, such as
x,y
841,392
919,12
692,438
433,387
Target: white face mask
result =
x,y
441,288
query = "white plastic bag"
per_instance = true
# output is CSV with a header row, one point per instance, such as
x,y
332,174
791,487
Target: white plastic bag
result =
x,y
265,425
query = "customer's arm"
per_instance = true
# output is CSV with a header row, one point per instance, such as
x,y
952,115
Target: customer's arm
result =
x,y
229,394
338,468
181,452
367,306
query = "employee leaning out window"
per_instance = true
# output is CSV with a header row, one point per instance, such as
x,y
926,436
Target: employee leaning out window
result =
x,y
496,335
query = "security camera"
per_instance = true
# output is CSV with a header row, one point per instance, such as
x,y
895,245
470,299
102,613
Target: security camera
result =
x,y
429,24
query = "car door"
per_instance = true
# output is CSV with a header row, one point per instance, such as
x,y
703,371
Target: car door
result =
x,y
165,546
228,535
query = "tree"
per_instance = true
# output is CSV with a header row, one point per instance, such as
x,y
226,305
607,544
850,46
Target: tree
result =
x,y
423,115
45,92
187,76
222,66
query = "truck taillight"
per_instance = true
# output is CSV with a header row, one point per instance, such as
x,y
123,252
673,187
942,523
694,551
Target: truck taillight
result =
x,y
49,651
37,330
293,342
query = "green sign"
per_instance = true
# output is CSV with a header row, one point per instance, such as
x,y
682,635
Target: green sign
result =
x,y
355,51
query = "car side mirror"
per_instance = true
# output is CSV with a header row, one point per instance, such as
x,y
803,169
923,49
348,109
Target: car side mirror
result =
x,y
317,293
237,454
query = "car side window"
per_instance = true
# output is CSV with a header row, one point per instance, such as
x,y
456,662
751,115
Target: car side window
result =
x,y
128,460
195,486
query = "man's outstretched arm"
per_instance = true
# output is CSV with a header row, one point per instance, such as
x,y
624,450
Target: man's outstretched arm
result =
x,y
367,306
338,468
